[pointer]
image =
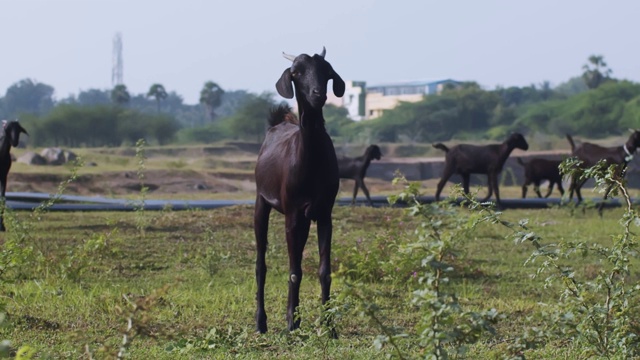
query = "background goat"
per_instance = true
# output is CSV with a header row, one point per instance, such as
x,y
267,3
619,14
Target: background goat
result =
x,y
590,154
297,174
10,137
538,170
356,169
466,159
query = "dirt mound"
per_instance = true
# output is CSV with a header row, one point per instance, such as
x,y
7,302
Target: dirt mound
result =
x,y
126,183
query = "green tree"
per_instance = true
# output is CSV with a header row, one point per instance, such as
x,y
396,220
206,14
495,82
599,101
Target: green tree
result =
x,y
211,98
250,121
120,95
596,71
336,119
28,96
158,92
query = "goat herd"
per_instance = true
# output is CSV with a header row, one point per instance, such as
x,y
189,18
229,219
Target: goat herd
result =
x,y
297,172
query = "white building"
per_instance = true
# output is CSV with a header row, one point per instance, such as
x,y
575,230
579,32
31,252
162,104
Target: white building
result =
x,y
364,102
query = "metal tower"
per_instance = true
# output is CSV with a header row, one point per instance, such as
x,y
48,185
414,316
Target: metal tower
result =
x,y
116,71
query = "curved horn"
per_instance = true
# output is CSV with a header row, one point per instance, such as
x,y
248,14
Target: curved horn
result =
x,y
288,57
323,53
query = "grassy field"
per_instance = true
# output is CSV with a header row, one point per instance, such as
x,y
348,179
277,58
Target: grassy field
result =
x,y
186,279
181,284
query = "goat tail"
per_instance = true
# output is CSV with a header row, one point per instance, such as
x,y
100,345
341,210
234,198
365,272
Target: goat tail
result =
x,y
570,139
280,114
520,161
441,146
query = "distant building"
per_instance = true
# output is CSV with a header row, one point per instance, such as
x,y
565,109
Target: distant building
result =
x,y
364,102
354,99
387,96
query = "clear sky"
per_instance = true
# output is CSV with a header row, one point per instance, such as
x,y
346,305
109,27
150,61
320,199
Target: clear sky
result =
x,y
238,44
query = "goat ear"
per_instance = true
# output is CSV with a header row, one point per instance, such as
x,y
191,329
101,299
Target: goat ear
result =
x,y
338,85
284,85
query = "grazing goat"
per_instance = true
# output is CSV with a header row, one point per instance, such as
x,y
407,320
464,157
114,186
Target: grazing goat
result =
x,y
356,169
297,174
466,159
538,170
10,137
590,154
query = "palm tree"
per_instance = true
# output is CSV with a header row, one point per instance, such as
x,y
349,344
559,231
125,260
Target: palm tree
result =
x,y
120,94
597,73
157,91
211,97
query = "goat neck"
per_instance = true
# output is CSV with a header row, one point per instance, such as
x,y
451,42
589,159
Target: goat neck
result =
x,y
505,150
311,119
631,146
5,144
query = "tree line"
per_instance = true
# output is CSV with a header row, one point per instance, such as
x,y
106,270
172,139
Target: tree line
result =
x,y
593,105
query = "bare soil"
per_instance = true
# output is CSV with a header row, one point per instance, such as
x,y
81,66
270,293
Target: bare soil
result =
x,y
158,182
164,184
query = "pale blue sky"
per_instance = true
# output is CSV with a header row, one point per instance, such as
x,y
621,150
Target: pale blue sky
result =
x,y
238,44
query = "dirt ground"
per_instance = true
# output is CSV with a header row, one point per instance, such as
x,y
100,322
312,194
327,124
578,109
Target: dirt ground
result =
x,y
165,184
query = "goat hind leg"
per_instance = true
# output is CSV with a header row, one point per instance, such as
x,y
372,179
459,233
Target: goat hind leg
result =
x,y
355,192
365,191
446,174
261,227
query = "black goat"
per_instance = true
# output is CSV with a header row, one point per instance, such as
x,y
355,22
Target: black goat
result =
x,y
590,154
10,137
356,169
297,174
466,159
538,170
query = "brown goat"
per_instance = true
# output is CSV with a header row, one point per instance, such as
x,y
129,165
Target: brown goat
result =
x,y
538,170
356,169
297,174
10,137
466,159
590,154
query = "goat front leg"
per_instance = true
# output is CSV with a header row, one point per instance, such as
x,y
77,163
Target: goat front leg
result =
x,y
297,228
496,189
3,188
537,190
551,183
490,187
365,191
560,188
261,227
325,229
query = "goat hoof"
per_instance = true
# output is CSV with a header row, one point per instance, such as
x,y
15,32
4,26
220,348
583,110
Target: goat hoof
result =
x,y
261,323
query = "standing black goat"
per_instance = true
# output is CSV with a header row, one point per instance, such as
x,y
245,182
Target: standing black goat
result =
x,y
538,170
356,169
466,159
10,137
590,154
297,174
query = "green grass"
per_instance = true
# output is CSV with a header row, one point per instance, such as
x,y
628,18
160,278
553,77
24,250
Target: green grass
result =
x,y
193,273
